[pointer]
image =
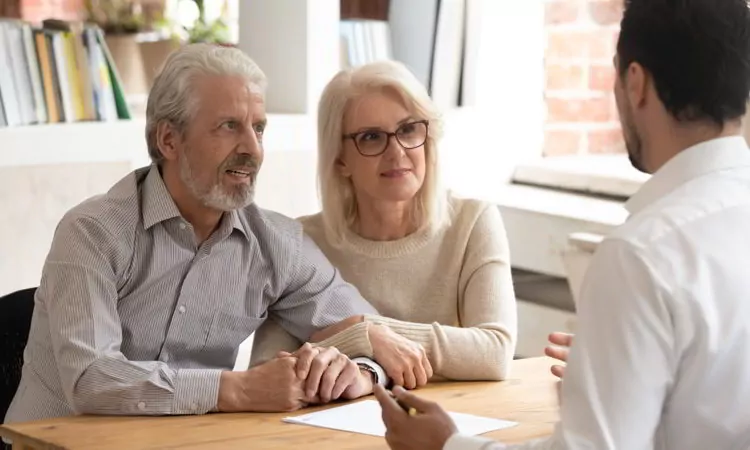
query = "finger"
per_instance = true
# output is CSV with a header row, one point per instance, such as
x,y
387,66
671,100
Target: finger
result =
x,y
557,353
397,377
387,403
335,370
317,368
559,338
558,371
411,400
427,366
305,347
283,354
420,376
348,377
410,380
305,356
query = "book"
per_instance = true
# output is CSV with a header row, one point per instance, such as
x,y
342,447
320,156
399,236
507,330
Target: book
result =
x,y
61,71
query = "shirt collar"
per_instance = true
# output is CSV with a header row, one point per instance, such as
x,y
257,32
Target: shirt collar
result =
x,y
236,222
158,204
701,159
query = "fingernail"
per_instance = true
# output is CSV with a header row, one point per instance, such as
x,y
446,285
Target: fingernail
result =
x,y
398,390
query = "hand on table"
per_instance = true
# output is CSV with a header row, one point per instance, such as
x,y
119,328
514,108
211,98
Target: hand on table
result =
x,y
429,429
329,374
403,360
270,387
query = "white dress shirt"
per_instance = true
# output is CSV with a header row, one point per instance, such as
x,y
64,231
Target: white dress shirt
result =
x,y
661,359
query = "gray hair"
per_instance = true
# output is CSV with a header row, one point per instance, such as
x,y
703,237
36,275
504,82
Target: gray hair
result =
x,y
170,98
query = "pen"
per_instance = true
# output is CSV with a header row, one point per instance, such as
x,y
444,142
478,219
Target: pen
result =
x,y
411,411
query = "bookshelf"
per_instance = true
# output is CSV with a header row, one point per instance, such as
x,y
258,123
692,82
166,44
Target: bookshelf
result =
x,y
123,141
59,72
73,143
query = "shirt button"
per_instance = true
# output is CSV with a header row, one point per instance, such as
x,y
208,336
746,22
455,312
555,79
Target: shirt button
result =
x,y
182,225
142,406
182,309
165,358
193,407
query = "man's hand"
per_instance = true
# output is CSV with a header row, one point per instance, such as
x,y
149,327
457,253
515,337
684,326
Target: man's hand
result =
x,y
429,429
560,348
329,374
362,386
404,361
270,387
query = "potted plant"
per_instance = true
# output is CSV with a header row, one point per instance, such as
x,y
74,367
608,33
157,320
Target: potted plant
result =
x,y
122,21
189,23
116,16
215,31
180,22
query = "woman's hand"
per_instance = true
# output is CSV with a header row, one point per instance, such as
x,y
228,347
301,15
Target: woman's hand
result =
x,y
403,360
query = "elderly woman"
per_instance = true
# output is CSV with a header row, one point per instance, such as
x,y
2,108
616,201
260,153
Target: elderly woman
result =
x,y
436,267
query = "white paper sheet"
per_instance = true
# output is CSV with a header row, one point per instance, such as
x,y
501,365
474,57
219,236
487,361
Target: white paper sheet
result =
x,y
364,417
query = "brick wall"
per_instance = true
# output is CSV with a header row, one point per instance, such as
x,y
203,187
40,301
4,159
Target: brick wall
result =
x,y
38,10
581,112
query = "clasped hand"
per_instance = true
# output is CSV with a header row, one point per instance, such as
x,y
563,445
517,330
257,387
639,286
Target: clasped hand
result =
x,y
292,381
328,374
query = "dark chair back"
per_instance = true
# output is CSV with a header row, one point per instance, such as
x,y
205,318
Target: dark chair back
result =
x,y
15,322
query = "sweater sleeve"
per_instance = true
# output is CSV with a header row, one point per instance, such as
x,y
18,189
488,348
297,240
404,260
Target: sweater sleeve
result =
x,y
483,345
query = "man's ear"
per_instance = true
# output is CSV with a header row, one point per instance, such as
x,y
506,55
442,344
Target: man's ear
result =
x,y
637,83
167,139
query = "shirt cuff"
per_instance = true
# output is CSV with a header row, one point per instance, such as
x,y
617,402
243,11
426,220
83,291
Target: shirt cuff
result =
x,y
196,391
382,378
463,442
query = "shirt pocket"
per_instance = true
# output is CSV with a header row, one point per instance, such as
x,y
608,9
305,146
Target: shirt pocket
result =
x,y
225,335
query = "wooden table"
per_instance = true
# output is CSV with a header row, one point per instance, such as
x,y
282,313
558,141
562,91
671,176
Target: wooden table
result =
x,y
528,397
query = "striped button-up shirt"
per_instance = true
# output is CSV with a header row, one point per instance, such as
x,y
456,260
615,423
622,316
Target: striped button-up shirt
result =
x,y
133,316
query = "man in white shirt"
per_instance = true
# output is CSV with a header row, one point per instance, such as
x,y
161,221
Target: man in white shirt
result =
x,y
661,359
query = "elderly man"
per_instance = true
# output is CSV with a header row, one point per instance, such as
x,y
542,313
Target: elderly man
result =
x,y
149,289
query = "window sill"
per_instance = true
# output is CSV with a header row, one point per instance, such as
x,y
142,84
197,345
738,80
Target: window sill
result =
x,y
605,175
552,201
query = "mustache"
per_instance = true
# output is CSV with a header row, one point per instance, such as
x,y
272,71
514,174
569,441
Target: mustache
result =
x,y
243,161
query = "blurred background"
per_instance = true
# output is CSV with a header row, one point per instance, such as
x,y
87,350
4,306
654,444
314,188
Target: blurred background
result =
x,y
525,87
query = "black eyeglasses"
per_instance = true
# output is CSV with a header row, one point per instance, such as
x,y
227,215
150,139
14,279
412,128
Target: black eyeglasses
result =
x,y
374,142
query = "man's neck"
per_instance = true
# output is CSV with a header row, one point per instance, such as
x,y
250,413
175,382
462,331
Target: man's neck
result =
x,y
203,219
680,137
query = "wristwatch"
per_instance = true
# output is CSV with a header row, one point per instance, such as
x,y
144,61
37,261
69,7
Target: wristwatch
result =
x,y
377,372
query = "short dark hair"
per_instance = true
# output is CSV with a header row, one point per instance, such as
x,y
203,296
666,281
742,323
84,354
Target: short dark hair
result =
x,y
697,51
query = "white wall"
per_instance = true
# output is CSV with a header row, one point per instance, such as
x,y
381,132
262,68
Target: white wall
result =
x,y
296,43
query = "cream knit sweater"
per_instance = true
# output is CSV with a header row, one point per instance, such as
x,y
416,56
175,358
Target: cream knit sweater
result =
x,y
449,290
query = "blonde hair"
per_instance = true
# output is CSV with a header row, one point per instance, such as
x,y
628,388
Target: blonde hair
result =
x,y
336,191
171,98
